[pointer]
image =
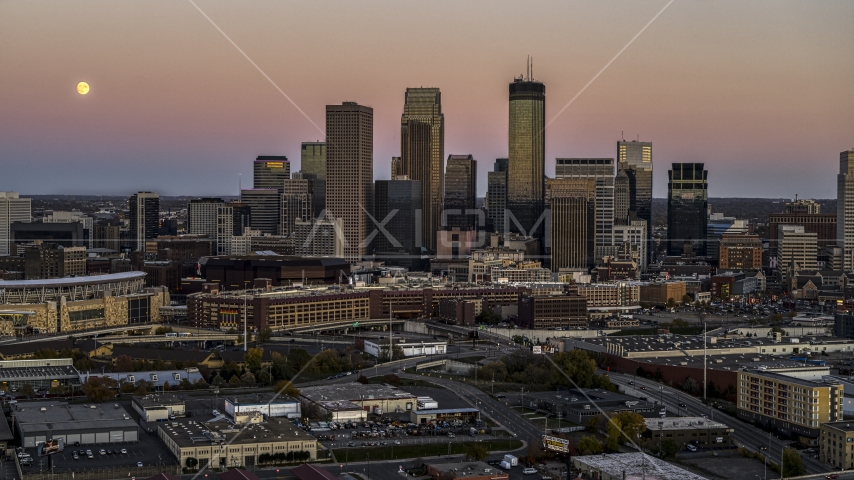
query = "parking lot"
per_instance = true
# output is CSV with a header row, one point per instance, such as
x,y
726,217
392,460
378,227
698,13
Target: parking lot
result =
x,y
149,451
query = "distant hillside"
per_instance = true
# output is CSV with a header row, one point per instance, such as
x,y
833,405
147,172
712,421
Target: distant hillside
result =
x,y
753,209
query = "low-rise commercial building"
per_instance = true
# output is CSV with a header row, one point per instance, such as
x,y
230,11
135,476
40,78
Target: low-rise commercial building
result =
x,y
836,444
88,424
698,431
444,414
629,466
371,398
158,407
40,374
221,444
578,406
552,311
657,294
467,470
268,404
409,349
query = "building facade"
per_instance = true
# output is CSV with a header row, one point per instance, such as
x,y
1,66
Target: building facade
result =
x,y
398,203
202,216
845,208
634,158
264,205
143,218
496,195
350,173
687,208
601,171
572,207
461,193
12,209
526,156
740,252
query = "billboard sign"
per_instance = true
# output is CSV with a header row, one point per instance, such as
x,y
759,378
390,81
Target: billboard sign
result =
x,y
555,444
49,447
537,350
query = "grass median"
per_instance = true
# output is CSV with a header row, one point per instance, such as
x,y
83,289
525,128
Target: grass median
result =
x,y
363,454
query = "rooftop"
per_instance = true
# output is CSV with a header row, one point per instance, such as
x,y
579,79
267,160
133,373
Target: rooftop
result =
x,y
353,392
635,465
67,372
187,432
845,426
682,423
156,400
468,469
786,378
43,416
260,398
73,281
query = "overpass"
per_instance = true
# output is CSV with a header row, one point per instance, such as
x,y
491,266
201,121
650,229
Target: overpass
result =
x,y
81,334
345,325
206,337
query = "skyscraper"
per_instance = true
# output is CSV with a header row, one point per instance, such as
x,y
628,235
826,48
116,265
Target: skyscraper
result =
x,y
297,201
12,209
601,171
687,208
350,172
202,216
143,218
496,194
622,198
845,208
401,199
572,206
269,171
313,158
422,153
635,159
460,192
264,205
526,155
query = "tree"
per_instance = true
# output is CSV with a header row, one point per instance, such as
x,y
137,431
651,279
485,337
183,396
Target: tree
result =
x,y
163,330
363,380
26,390
793,464
475,451
123,363
265,335
633,424
218,381
691,385
297,358
264,377
668,448
614,434
392,379
686,299
234,381
166,386
671,302
99,389
589,445
201,383
678,323
192,462
253,359
285,387
247,379
590,424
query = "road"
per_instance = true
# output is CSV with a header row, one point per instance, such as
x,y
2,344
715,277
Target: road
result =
x,y
744,434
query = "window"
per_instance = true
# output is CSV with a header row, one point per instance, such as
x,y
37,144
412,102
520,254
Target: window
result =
x,y
153,377
84,315
131,379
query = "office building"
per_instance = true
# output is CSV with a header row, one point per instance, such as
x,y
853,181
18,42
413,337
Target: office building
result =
x,y
77,424
319,237
50,260
232,218
635,159
313,159
740,252
350,173
601,171
297,201
461,193
67,234
397,203
269,171
572,206
792,405
526,156
629,243
622,198
836,444
202,216
796,251
397,172
845,208
12,209
809,216
687,209
264,205
422,154
552,311
496,195
71,217
106,236
808,206
720,225
143,218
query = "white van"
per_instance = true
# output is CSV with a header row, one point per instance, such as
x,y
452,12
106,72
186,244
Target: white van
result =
x,y
529,470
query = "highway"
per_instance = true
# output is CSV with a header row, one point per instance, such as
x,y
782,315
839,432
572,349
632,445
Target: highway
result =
x,y
744,434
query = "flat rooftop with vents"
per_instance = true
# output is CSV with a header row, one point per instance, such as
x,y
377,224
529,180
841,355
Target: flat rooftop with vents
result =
x,y
87,423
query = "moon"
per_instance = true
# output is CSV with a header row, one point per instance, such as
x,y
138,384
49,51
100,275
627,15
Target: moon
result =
x,y
82,88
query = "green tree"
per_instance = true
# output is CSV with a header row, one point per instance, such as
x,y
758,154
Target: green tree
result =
x,y
297,358
793,463
679,323
247,379
589,445
632,424
668,448
265,335
285,387
691,385
163,330
475,451
686,299
670,303
590,424
234,381
26,390
253,358
99,389
218,381
614,434
264,377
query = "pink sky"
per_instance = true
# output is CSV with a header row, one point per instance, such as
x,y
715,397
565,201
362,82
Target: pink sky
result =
x,y
760,91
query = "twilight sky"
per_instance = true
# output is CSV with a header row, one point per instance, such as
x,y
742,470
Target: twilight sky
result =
x,y
761,91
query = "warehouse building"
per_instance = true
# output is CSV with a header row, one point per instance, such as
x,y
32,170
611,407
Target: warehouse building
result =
x,y
635,465
465,415
267,404
580,405
376,399
39,374
155,408
698,431
88,424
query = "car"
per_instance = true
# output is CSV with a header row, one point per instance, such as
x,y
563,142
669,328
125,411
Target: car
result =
x,y
631,382
451,435
351,444
139,464
397,442
75,456
102,451
683,405
833,475
529,471
691,448
642,387
124,451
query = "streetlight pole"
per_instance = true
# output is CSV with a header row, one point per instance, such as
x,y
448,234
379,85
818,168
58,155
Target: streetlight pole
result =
x,y
245,328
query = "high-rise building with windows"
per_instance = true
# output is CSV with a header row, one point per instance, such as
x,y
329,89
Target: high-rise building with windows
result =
x,y
12,209
845,208
350,173
264,205
496,195
202,216
635,159
572,206
797,250
313,159
622,198
397,204
298,200
461,192
269,171
143,218
601,171
687,208
422,154
526,156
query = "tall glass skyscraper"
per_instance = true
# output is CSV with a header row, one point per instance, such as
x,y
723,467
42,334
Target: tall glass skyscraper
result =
x,y
635,159
422,152
496,194
601,172
461,192
526,155
687,208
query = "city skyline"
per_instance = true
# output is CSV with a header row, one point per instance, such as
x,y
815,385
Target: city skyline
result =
x,y
718,91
